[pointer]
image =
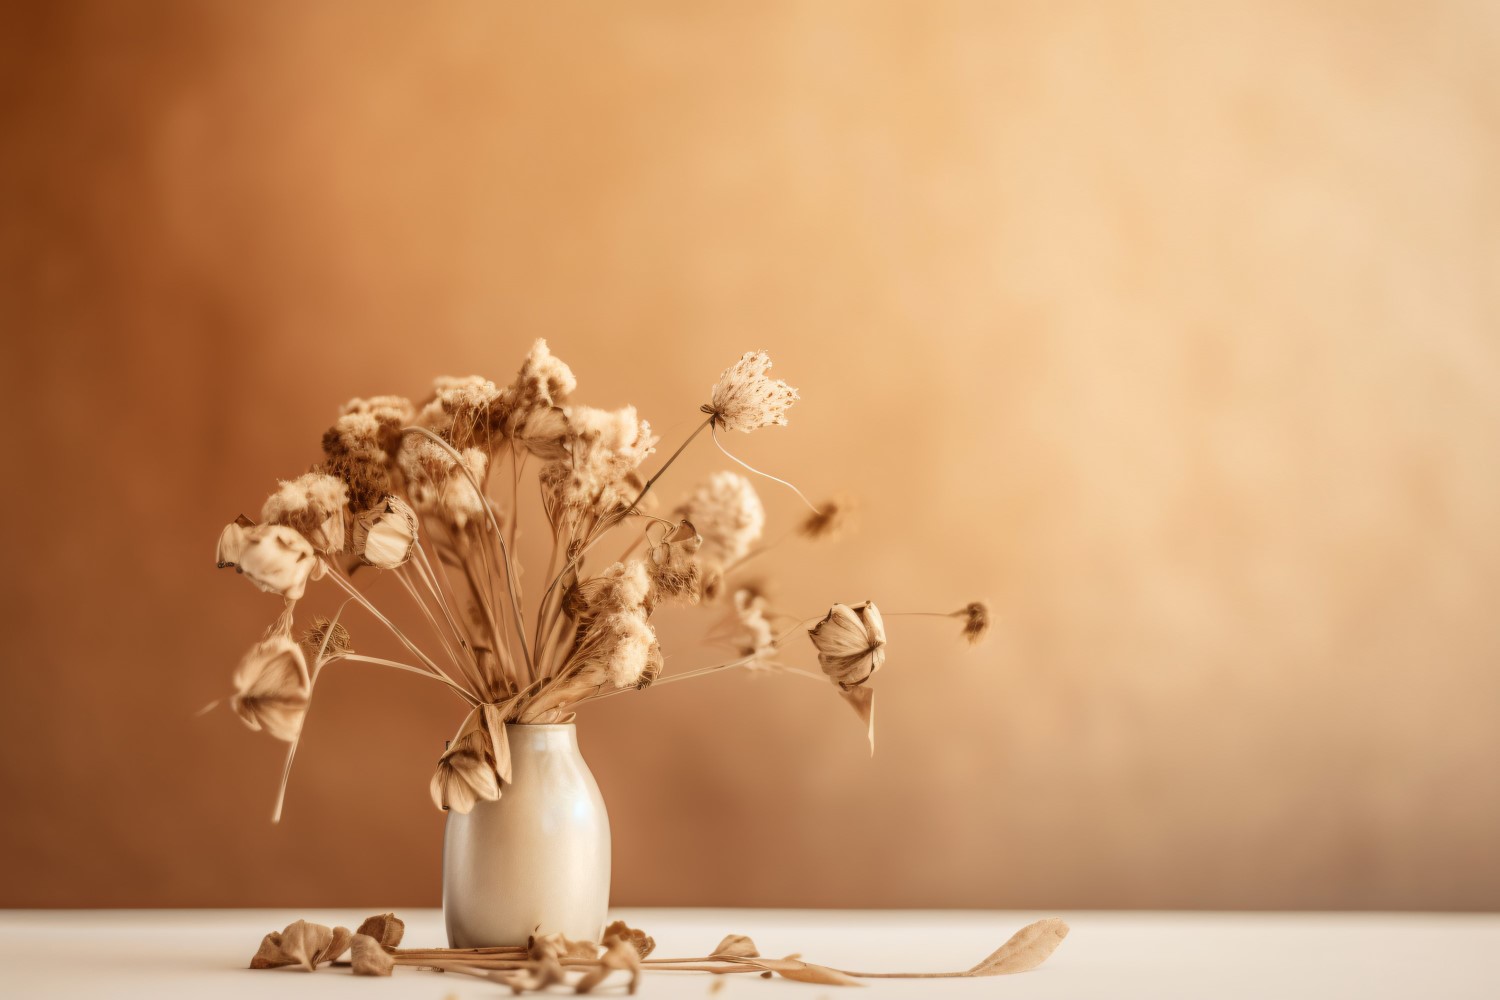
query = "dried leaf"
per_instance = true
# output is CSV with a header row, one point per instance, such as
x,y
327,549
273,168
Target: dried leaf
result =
x,y
1027,948
301,943
494,724
335,948
387,928
643,942
369,957
737,946
862,700
270,955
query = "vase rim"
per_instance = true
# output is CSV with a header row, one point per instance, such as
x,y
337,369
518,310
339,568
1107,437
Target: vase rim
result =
x,y
544,725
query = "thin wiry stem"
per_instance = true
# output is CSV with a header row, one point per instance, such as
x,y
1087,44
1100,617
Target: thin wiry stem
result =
x,y
291,751
510,578
404,577
767,475
462,693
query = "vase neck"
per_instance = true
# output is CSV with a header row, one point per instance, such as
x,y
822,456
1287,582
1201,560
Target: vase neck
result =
x,y
542,739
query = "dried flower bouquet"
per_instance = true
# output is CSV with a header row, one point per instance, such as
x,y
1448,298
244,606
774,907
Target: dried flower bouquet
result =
x,y
428,495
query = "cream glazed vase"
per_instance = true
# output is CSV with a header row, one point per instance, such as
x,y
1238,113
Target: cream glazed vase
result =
x,y
536,860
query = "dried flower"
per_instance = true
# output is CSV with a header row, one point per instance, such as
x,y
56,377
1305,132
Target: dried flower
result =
x,y
976,616
736,946
754,636
728,514
459,408
619,954
385,535
272,687
301,943
464,774
277,559
829,521
644,943
745,398
436,483
314,504
604,448
850,643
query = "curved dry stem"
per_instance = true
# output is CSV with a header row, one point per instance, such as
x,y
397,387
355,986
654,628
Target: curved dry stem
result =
x,y
758,472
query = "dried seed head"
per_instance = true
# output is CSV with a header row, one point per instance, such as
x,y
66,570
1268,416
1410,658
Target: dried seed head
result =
x,y
386,535
832,519
675,570
275,558
603,448
314,504
465,774
336,636
745,398
272,688
850,643
976,616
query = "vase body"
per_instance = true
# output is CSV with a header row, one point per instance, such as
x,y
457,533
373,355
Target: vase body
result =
x,y
536,860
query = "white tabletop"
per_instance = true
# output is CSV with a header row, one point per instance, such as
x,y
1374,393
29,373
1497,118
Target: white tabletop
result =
x,y
203,953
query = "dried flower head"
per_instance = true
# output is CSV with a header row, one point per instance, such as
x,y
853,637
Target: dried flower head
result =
x,y
437,485
271,687
745,398
368,958
277,559
460,409
675,570
604,447
314,504
624,586
754,636
465,774
850,643
302,943
728,514
829,521
617,650
385,535
358,448
976,616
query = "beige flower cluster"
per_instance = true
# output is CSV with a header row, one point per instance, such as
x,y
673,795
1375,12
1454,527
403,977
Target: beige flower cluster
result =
x,y
427,498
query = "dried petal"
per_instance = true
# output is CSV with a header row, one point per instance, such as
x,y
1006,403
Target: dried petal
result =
x,y
850,643
494,725
829,521
804,972
619,954
336,946
369,958
745,398
386,928
303,942
862,700
737,946
232,542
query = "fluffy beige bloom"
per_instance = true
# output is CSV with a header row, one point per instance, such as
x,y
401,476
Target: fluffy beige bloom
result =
x,y
385,535
314,504
616,645
272,688
275,558
465,774
754,636
622,587
460,408
436,483
727,513
850,643
358,448
604,447
544,380
388,411
746,398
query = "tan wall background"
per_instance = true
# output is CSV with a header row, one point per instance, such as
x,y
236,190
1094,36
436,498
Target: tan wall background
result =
x,y
1169,328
